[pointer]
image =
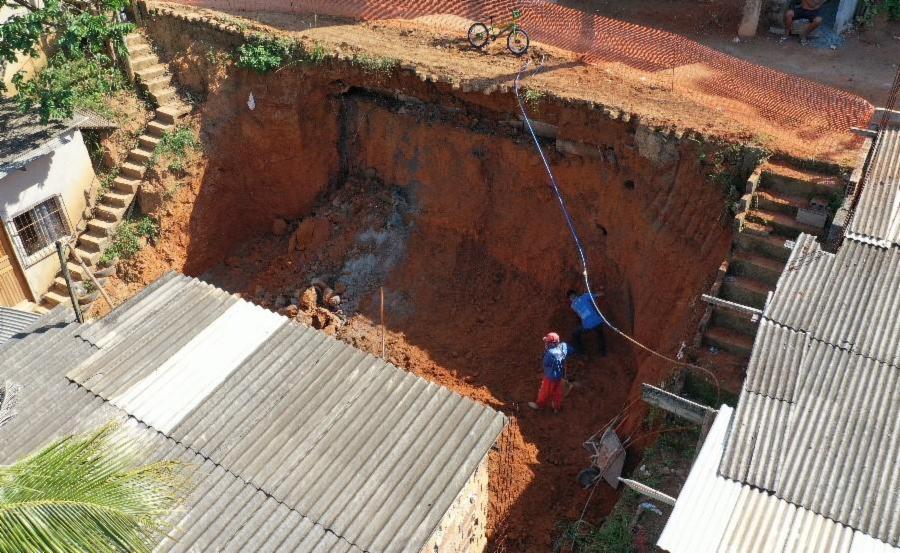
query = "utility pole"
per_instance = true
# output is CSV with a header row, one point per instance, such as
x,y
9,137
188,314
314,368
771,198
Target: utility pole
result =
x,y
60,251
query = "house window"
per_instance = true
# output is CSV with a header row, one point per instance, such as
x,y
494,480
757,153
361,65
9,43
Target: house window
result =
x,y
37,229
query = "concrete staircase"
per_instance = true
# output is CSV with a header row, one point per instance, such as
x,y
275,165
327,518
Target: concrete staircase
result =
x,y
765,228
153,77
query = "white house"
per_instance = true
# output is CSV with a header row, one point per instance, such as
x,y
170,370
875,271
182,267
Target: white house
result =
x,y
46,179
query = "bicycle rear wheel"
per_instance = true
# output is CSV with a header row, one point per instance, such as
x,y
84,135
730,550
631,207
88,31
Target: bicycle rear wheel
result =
x,y
478,35
518,42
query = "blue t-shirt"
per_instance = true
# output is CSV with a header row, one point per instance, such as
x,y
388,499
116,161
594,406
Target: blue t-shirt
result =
x,y
590,317
555,361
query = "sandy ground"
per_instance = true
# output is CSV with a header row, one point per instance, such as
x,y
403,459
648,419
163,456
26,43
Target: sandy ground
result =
x,y
688,97
865,64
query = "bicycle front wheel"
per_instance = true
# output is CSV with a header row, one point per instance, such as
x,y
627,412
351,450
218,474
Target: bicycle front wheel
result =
x,y
478,35
518,42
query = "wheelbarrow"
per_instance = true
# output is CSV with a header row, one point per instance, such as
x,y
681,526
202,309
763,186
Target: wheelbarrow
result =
x,y
607,459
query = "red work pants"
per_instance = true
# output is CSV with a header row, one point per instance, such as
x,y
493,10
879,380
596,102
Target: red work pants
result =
x,y
551,391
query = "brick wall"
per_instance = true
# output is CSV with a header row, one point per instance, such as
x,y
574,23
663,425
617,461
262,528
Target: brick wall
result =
x,y
462,530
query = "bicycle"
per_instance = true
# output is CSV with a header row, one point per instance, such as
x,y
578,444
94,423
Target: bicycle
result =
x,y
517,41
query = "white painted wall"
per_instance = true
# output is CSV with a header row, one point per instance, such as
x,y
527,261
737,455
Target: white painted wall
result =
x,y
66,172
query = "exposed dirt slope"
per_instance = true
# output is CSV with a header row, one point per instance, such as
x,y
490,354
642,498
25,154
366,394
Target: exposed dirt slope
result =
x,y
437,196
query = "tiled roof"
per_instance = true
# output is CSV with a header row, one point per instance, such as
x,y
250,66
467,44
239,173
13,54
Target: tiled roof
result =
x,y
301,436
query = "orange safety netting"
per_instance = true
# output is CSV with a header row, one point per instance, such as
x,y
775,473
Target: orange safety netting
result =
x,y
814,112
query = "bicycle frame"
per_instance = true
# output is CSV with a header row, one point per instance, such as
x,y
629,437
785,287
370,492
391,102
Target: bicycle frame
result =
x,y
506,26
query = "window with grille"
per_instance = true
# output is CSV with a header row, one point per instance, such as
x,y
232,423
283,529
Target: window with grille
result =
x,y
38,228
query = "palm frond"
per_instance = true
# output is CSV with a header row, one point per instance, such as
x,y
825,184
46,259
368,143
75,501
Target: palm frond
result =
x,y
87,493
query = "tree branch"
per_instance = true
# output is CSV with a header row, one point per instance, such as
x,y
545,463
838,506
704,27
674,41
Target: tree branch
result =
x,y
25,5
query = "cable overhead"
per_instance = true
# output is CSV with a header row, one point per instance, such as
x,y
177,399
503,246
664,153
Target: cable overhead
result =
x,y
578,244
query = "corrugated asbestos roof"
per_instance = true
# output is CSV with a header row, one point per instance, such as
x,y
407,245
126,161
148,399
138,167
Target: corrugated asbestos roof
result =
x,y
23,137
811,458
14,321
714,514
818,419
877,217
301,437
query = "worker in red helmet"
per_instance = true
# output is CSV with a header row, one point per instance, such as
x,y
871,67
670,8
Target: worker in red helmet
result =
x,y
555,354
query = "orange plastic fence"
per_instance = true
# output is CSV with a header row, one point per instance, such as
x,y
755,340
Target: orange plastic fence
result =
x,y
814,111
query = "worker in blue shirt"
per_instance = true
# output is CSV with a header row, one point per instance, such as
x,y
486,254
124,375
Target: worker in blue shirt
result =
x,y
555,354
591,321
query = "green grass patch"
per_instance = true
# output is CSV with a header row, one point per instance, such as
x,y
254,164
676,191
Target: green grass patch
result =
x,y
173,148
127,241
377,65
533,97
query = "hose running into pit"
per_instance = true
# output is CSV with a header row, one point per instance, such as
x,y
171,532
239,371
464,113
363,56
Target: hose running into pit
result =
x,y
578,244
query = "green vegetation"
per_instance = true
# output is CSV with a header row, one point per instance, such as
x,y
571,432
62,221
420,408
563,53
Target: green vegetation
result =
x,y
66,84
533,97
106,180
873,8
264,54
88,493
377,65
173,147
81,72
126,242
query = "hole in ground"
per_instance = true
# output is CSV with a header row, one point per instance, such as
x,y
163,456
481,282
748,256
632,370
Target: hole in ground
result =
x,y
471,250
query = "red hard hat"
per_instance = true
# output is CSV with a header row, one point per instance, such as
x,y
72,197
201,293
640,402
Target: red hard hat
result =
x,y
551,338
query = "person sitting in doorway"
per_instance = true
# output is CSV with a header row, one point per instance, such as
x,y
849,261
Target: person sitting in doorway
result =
x,y
806,9
591,321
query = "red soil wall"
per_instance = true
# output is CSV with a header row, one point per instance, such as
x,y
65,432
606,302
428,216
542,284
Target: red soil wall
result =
x,y
489,258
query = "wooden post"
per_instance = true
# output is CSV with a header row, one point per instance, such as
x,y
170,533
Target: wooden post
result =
x,y
382,324
90,275
65,272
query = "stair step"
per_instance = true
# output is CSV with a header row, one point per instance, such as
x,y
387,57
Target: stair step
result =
x,y
782,224
139,48
126,185
158,84
781,178
169,113
746,291
148,142
164,97
101,227
737,322
140,155
52,299
75,270
768,200
132,170
59,286
758,267
91,242
151,72
117,199
110,212
729,340
753,238
89,258
157,128
141,62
